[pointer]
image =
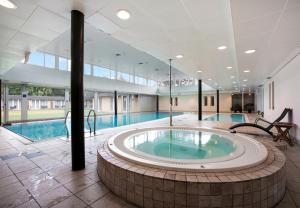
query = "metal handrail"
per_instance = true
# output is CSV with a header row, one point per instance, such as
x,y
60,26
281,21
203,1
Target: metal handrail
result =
x,y
66,123
88,122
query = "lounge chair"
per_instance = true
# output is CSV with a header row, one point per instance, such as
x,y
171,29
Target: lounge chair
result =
x,y
256,125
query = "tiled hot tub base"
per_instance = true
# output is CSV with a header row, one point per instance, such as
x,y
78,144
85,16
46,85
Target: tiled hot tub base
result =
x,y
259,186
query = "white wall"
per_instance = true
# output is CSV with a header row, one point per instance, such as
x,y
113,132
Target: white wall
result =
x,y
147,103
286,93
189,103
259,99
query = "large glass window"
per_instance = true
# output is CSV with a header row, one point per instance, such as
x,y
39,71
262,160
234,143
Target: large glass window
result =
x,y
87,69
49,61
123,76
36,58
113,74
140,80
101,72
62,64
69,65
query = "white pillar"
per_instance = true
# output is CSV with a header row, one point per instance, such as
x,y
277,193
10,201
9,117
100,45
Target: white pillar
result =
x,y
96,102
67,100
24,104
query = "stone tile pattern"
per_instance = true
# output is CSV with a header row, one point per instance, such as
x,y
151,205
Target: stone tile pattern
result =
x,y
260,186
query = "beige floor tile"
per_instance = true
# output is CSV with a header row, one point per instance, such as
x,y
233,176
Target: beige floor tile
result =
x,y
5,171
30,204
15,199
71,202
29,173
109,200
92,193
11,189
53,197
79,184
8,180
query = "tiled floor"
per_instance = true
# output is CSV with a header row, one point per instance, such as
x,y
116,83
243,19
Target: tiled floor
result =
x,y
39,174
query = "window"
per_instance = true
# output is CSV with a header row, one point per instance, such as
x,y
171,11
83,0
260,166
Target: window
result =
x,y
87,69
123,77
69,65
152,83
140,81
49,61
212,101
36,58
101,72
205,100
113,74
62,64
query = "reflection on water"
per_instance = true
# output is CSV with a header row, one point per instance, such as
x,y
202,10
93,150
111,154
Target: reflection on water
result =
x,y
56,128
181,144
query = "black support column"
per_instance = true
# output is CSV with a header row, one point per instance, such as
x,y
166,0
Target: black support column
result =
x,y
199,99
77,105
116,102
218,103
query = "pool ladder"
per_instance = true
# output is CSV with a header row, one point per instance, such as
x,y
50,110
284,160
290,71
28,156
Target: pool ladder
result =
x,y
88,122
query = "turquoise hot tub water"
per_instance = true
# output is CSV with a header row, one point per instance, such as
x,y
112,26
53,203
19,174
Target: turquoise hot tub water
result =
x,y
181,144
41,130
233,117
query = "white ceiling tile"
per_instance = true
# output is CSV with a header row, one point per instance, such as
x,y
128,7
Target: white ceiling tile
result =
x,y
102,23
26,42
6,34
10,21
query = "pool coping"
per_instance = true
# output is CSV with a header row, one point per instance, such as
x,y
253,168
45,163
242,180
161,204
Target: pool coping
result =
x,y
245,149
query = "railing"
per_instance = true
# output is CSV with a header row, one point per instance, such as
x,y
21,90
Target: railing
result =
x,y
68,134
88,121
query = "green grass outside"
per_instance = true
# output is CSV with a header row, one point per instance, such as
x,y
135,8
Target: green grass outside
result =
x,y
37,114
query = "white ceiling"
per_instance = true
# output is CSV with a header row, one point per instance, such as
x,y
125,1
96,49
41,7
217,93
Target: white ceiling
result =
x,y
163,29
101,49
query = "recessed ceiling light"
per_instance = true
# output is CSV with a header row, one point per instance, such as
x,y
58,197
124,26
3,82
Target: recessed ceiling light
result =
x,y
222,47
7,4
199,71
244,85
232,77
245,80
250,51
229,67
123,14
179,56
246,71
234,82
209,79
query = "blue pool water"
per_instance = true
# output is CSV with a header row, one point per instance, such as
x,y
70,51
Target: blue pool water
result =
x,y
181,144
42,130
234,117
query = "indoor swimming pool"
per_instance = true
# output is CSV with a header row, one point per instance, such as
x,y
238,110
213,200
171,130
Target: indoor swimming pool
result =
x,y
41,130
230,117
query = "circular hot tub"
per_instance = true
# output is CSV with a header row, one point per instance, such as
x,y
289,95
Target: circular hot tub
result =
x,y
191,167
188,149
